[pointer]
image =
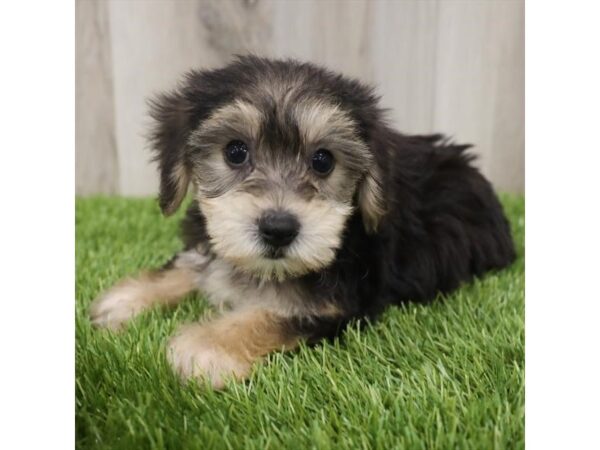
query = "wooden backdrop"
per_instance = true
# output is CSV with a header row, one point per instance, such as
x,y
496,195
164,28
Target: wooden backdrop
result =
x,y
455,66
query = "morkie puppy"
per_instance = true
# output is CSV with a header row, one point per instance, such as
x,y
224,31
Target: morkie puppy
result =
x,y
308,211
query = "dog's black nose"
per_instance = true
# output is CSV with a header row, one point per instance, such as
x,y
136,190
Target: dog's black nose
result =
x,y
278,228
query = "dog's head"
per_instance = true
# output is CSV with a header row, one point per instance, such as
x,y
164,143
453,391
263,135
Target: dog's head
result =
x,y
279,155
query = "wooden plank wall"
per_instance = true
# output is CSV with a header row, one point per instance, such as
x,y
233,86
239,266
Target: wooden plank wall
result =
x,y
455,66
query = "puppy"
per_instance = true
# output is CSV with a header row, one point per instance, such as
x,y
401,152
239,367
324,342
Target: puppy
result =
x,y
308,211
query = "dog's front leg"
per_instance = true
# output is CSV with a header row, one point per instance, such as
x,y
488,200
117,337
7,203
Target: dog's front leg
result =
x,y
164,286
228,346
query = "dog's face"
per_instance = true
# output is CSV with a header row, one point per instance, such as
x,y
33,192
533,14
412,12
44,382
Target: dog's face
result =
x,y
277,165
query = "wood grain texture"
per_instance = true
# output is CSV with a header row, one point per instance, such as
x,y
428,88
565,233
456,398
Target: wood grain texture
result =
x,y
96,167
403,49
479,88
506,159
452,66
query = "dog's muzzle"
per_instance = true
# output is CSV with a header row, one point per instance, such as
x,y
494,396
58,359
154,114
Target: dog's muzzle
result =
x,y
278,229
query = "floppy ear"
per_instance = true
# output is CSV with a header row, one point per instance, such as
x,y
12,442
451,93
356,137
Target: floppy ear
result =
x,y
172,114
370,199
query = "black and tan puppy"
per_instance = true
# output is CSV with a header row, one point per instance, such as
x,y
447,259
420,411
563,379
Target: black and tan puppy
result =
x,y
308,211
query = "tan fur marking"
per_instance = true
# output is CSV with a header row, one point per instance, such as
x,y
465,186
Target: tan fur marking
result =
x,y
317,119
133,295
180,178
242,116
228,346
370,201
330,310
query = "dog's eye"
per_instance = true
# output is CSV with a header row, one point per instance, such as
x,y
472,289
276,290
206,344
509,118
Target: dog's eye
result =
x,y
236,153
322,161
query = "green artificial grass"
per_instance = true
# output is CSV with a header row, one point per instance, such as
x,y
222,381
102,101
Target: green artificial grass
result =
x,y
445,376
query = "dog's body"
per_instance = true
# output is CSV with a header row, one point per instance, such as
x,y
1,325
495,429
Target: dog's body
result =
x,y
308,211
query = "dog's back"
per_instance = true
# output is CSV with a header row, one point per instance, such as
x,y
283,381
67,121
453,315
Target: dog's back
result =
x,y
444,224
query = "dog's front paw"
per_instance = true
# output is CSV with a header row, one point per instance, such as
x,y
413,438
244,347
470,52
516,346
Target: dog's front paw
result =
x,y
117,306
194,353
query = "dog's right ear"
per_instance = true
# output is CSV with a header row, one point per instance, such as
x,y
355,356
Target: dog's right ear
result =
x,y
173,114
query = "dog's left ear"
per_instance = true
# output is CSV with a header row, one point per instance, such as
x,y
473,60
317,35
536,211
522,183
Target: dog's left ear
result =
x,y
370,198
172,114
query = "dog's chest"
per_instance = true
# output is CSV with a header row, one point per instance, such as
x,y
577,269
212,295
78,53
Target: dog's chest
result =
x,y
225,287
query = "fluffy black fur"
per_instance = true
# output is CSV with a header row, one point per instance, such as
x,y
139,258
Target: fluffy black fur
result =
x,y
443,223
